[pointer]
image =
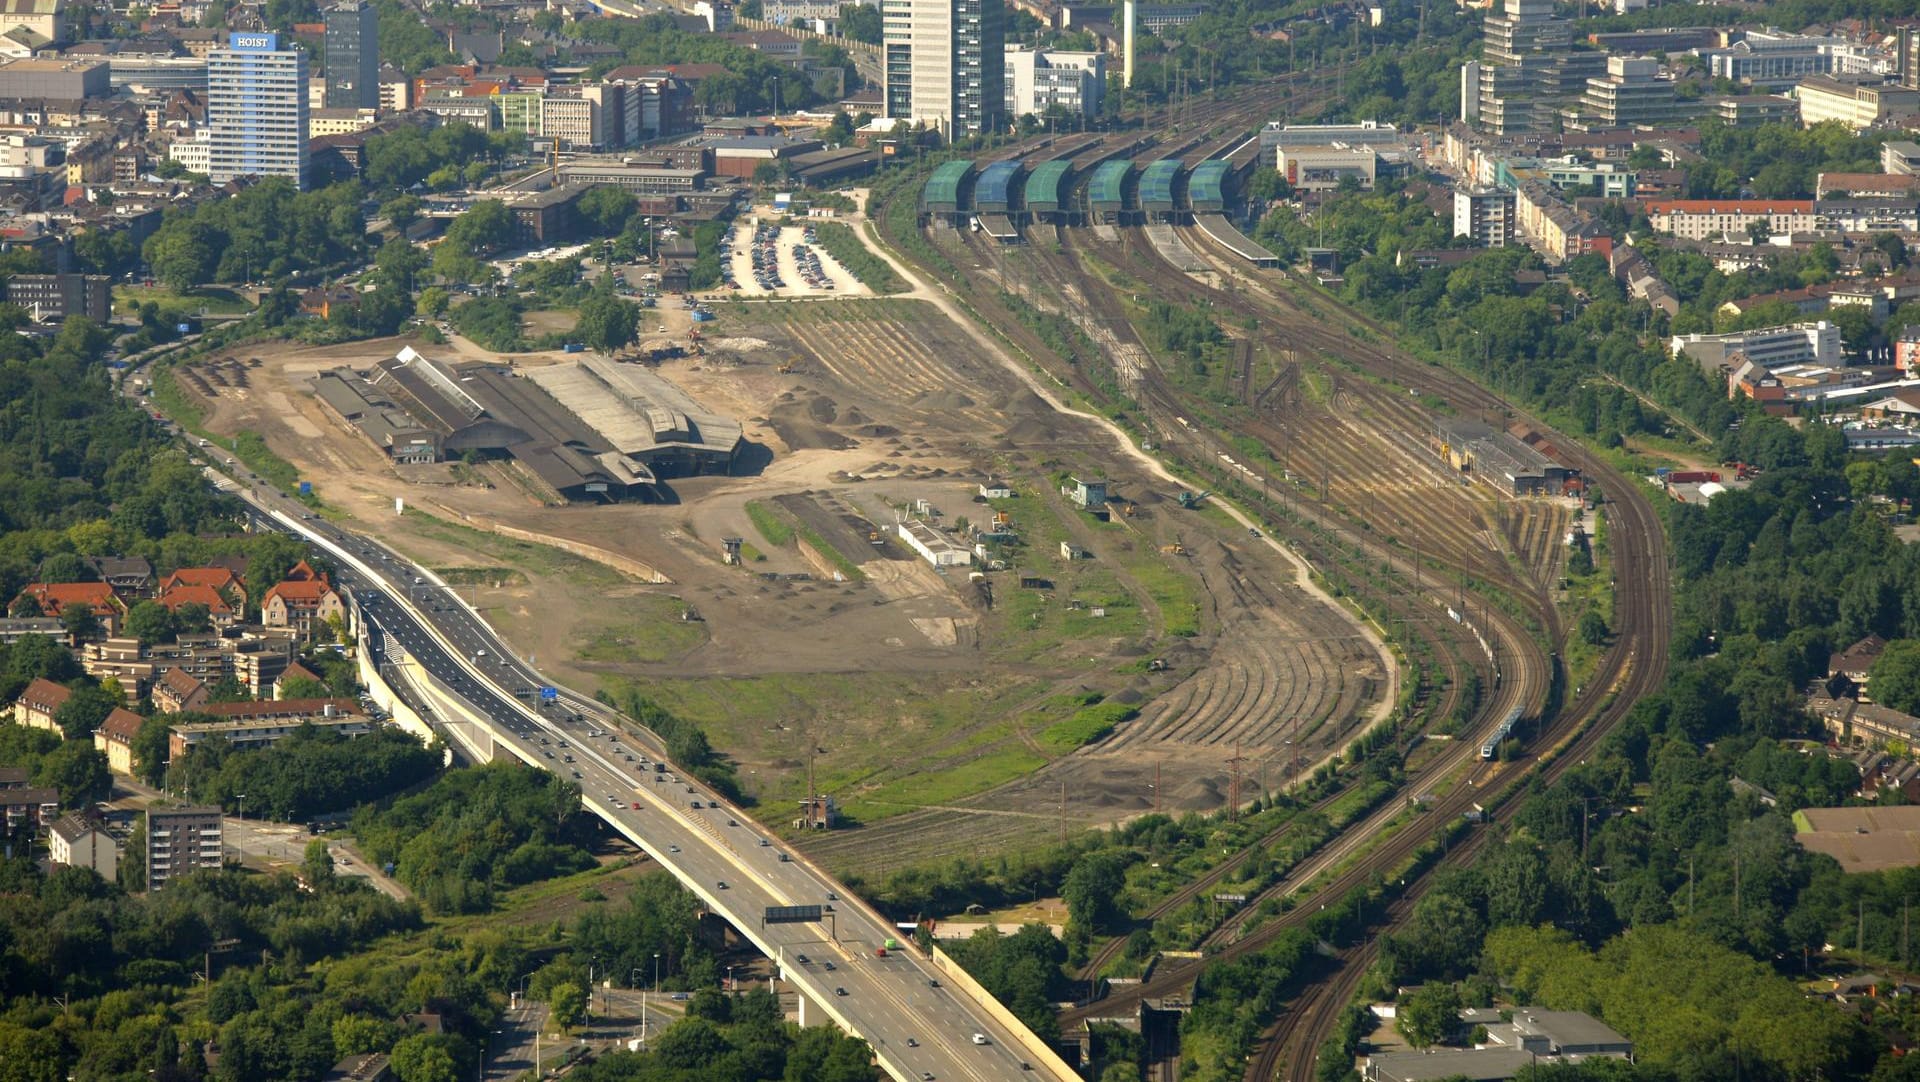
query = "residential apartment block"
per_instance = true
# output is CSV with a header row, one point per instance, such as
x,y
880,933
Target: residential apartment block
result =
x,y
1704,219
181,840
1486,215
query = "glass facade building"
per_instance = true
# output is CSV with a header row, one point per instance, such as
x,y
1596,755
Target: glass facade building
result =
x,y
353,56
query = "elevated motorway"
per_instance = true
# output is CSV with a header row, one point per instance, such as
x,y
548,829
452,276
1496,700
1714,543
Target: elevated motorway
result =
x,y
923,1019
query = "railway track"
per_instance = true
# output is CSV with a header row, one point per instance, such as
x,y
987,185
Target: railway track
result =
x,y
1634,667
1230,938
1607,697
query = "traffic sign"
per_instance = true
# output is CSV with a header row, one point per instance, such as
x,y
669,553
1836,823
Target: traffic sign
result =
x,y
549,694
791,914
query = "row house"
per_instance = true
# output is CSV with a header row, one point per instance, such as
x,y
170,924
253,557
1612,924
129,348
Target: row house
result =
x,y
1701,219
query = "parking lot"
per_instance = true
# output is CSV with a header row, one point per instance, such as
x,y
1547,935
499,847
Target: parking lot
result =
x,y
783,261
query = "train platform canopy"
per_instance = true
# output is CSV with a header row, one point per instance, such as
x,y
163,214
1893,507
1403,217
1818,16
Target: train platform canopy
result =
x,y
1000,227
942,193
1108,184
994,193
1205,188
1043,186
1156,185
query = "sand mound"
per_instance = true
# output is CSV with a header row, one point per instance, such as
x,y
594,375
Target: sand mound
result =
x,y
943,400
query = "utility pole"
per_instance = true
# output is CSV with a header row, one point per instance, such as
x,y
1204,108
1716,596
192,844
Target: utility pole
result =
x,y
1584,819
1233,787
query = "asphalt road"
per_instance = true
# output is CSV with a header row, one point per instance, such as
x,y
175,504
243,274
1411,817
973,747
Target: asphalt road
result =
x,y
918,1027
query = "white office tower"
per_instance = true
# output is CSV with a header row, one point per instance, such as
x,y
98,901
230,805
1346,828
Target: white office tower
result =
x,y
945,64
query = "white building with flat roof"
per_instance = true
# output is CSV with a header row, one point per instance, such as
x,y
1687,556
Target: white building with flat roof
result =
x,y
933,545
1040,79
1769,347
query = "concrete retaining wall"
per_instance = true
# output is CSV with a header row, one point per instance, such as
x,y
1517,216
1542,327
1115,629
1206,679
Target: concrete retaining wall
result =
x,y
1036,1050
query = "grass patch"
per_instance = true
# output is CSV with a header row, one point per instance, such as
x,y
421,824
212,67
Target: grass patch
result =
x,y
1592,592
173,402
496,577
879,728
917,790
768,521
832,555
1088,724
657,634
251,448
247,448
211,299
529,556
844,246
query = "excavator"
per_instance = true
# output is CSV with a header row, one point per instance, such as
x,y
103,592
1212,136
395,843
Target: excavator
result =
x,y
1190,500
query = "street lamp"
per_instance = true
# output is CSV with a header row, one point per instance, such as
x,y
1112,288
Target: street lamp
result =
x,y
486,1052
241,800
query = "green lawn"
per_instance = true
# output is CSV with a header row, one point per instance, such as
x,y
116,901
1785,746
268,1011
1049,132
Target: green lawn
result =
x,y
213,300
655,633
770,524
536,559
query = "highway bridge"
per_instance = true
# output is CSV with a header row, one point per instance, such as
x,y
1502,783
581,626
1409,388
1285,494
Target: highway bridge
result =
x,y
923,1017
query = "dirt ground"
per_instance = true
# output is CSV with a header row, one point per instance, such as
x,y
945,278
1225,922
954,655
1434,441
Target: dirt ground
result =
x,y
924,697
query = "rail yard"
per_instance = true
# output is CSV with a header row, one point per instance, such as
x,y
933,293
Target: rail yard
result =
x,y
1326,432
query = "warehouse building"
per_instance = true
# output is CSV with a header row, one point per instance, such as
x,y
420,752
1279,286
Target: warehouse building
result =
x,y
348,396
1502,459
933,545
445,409
644,420
67,80
589,431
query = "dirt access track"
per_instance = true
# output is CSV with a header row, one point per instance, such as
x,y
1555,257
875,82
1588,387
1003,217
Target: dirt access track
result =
x,y
921,699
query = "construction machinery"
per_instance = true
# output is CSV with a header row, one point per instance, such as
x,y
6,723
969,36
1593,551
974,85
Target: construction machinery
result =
x,y
1191,500
786,368
1175,549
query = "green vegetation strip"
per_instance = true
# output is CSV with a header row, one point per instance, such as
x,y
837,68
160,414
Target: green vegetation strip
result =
x,y
247,446
846,249
1088,725
769,523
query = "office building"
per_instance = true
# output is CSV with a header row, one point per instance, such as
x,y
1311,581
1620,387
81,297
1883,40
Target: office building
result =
x,y
1528,70
1486,215
1772,60
181,840
257,109
1040,81
945,64
1816,343
353,56
1900,156
1632,94
1859,103
51,298
1906,57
